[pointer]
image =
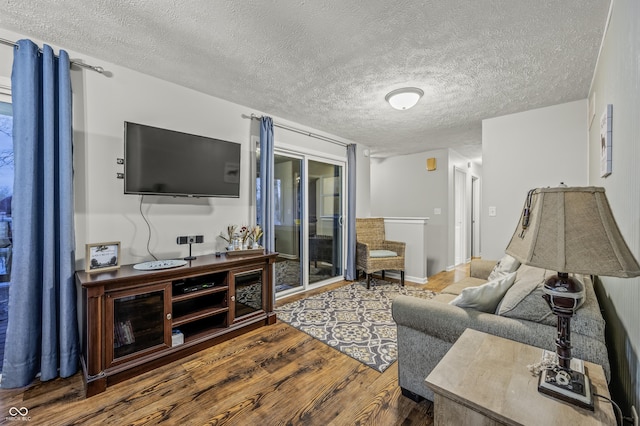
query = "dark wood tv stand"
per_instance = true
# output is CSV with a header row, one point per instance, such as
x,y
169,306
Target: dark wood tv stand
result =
x,y
128,315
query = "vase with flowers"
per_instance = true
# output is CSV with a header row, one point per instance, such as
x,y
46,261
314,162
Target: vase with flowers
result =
x,y
229,236
256,234
242,238
244,234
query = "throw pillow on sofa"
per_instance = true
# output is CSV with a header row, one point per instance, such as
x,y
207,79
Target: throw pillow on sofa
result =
x,y
504,267
485,297
524,299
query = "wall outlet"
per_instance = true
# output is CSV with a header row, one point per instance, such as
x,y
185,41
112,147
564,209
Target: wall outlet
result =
x,y
190,239
634,415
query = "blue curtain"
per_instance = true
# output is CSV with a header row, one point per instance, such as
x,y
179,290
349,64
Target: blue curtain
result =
x,y
266,183
42,331
350,273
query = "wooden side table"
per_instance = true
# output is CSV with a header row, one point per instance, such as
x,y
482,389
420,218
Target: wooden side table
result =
x,y
484,380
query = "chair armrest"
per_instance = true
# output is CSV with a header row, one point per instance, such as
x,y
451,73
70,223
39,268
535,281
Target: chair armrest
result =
x,y
362,247
481,268
396,246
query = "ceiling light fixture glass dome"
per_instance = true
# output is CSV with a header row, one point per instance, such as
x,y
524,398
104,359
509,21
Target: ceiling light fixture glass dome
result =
x,y
404,98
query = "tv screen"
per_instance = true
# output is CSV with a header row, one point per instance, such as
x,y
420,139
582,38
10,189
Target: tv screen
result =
x,y
165,162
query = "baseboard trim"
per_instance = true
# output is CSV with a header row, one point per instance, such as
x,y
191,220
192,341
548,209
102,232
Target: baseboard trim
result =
x,y
416,280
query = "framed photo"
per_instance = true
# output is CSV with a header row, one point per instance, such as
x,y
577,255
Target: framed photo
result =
x,y
606,133
102,256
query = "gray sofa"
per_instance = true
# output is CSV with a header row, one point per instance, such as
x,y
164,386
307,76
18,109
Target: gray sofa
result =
x,y
428,328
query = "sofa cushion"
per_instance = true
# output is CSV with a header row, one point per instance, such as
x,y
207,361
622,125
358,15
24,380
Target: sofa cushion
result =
x,y
486,297
505,266
443,298
457,287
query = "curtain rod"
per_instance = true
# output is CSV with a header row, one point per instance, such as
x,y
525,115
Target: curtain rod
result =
x,y
97,69
302,132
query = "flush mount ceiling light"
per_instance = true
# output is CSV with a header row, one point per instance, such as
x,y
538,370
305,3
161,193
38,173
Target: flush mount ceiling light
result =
x,y
404,98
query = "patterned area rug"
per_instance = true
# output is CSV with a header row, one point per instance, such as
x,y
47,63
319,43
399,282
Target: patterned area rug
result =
x,y
353,320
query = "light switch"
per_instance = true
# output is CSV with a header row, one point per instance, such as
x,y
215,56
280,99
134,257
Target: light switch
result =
x,y
492,211
437,210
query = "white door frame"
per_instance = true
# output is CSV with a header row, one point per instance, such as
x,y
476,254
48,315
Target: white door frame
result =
x,y
459,215
475,216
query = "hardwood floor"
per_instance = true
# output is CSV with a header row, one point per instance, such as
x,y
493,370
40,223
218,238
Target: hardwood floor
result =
x,y
275,375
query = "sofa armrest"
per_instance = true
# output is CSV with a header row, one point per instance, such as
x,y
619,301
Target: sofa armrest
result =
x,y
481,268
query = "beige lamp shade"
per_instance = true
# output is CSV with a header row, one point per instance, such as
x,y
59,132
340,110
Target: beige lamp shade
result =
x,y
572,229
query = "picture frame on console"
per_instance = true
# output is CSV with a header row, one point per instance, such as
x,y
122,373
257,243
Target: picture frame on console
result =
x,y
102,256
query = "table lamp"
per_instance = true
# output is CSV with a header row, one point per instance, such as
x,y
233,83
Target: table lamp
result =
x,y
569,230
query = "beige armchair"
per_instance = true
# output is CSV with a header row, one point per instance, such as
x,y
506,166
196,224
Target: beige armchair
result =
x,y
374,253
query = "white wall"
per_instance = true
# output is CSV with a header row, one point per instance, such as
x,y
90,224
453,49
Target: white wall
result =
x,y
101,103
532,149
617,82
401,186
363,177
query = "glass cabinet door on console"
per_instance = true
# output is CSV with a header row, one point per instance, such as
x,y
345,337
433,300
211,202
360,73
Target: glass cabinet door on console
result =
x,y
141,322
248,293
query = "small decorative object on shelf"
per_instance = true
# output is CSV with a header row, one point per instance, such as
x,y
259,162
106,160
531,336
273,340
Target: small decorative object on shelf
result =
x,y
229,237
244,237
177,338
102,256
256,234
245,240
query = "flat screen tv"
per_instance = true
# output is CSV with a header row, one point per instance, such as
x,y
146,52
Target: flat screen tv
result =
x,y
165,162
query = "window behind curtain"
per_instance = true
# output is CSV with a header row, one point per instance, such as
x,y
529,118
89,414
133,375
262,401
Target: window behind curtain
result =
x,y
6,192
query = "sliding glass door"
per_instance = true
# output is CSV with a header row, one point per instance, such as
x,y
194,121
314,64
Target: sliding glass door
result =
x,y
288,222
325,220
6,194
309,203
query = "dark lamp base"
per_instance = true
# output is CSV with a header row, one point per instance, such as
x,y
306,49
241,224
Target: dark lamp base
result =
x,y
567,385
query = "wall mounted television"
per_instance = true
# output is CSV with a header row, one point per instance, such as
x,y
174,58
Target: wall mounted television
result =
x,y
166,162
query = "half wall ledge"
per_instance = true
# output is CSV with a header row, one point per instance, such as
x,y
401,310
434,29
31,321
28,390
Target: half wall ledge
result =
x,y
413,232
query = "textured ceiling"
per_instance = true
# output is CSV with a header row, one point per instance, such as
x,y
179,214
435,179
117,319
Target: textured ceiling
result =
x,y
329,64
